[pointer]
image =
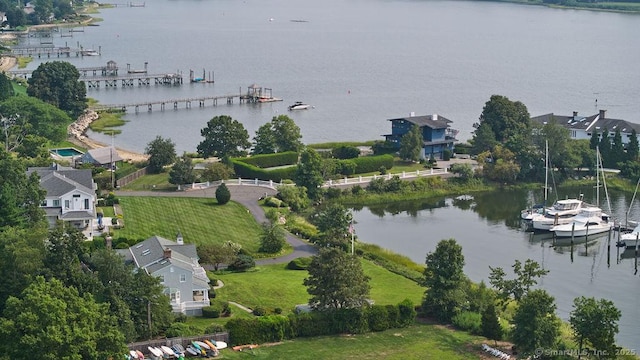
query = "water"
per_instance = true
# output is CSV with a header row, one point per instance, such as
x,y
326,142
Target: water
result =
x,y
489,232
363,62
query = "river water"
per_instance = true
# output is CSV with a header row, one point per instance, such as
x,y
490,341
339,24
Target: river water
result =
x,y
360,63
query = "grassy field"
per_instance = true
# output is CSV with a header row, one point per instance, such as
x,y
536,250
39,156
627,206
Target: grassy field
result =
x,y
418,341
201,221
151,181
274,286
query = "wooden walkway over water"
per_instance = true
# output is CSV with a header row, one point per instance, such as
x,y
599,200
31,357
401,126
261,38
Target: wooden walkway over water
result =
x,y
177,104
51,51
129,80
84,72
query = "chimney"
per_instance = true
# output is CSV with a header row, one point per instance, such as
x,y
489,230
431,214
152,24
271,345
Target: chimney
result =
x,y
575,115
179,238
167,253
412,114
602,114
434,117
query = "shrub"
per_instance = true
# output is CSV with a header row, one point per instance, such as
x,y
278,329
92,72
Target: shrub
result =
x,y
210,312
271,160
301,263
345,152
377,316
214,328
367,164
277,311
180,317
273,202
407,313
382,170
242,262
468,321
259,311
178,329
393,316
222,194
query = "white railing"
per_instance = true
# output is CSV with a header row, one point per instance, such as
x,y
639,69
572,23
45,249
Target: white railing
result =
x,y
190,305
330,183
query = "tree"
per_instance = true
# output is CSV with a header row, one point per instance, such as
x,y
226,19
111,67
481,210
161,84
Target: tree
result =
x,y
264,142
594,141
57,83
25,115
483,138
294,196
223,195
161,152
595,322
272,239
6,88
464,171
308,172
490,325
223,137
333,217
336,281
55,322
445,280
345,152
287,134
411,144
535,324
505,118
217,171
632,147
20,195
182,171
604,146
617,150
216,254
516,288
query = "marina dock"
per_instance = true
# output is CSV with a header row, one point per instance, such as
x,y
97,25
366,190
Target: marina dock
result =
x,y
129,80
51,51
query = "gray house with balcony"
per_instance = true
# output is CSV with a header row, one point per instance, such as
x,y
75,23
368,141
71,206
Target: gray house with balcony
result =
x,y
71,195
176,264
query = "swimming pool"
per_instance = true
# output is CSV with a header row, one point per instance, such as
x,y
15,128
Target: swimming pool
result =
x,y
66,152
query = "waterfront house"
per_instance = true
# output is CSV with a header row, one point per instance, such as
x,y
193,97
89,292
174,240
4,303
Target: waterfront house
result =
x,y
582,127
71,195
437,134
104,156
176,264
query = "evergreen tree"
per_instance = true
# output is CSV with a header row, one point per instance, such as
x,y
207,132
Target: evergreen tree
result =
x,y
490,326
411,144
617,154
633,146
535,324
605,147
223,195
182,171
308,172
595,139
6,88
272,239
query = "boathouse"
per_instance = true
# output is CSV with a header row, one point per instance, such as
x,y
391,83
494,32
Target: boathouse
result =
x,y
437,134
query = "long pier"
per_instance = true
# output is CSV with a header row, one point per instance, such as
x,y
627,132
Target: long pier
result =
x,y
129,80
175,103
84,72
50,51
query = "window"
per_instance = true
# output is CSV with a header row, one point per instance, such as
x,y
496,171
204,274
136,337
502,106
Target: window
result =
x,y
43,203
183,277
76,195
86,203
56,203
66,204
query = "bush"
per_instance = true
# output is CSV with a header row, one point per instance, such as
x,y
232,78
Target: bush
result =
x,y
345,152
301,263
271,160
378,318
223,195
259,311
249,171
407,313
277,311
214,328
242,262
178,329
180,317
273,202
367,164
210,312
468,321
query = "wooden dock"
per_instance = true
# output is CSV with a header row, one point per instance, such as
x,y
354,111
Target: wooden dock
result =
x,y
130,80
84,72
186,103
51,51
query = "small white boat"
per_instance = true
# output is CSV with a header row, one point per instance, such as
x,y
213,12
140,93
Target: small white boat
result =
x,y
589,221
133,354
167,351
155,351
562,212
299,105
203,345
220,345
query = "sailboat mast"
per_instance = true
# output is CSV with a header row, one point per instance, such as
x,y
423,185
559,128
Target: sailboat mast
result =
x,y
546,171
597,176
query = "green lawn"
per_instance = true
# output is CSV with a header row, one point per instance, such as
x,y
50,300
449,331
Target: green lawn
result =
x,y
418,341
200,220
274,286
150,182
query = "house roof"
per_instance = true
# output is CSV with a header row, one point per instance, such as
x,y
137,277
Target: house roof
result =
x,y
78,215
434,121
58,181
149,254
104,155
587,123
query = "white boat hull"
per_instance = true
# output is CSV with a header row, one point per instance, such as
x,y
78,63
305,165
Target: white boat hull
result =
x,y
567,231
545,223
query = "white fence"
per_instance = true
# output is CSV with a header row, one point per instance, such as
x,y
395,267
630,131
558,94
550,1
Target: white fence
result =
x,y
330,183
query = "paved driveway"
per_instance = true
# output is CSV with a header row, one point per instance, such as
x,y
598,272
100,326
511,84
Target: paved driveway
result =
x,y
248,196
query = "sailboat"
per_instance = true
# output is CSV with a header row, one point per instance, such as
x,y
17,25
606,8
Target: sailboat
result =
x,y
590,220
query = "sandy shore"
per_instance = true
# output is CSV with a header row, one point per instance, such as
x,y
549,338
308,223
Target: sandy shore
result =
x,y
7,63
77,135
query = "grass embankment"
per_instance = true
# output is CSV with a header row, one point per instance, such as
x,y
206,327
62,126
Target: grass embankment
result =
x,y
418,341
107,123
200,220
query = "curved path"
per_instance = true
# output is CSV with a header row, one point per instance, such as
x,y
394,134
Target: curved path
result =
x,y
248,196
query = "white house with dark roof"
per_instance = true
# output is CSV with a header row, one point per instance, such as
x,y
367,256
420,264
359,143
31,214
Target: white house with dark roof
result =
x,y
71,195
582,127
176,264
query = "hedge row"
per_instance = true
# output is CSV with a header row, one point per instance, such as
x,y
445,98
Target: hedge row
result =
x,y
271,160
366,164
276,328
248,171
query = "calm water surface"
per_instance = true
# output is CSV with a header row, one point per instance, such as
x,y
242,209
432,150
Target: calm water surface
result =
x,y
488,229
362,62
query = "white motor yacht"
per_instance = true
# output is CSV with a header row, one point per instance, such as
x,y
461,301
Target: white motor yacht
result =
x,y
299,105
562,212
590,221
